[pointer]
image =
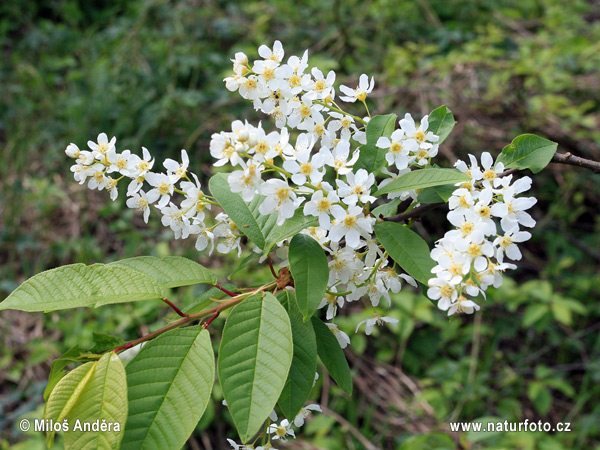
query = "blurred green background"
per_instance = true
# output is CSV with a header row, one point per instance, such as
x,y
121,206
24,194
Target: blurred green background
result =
x,y
150,73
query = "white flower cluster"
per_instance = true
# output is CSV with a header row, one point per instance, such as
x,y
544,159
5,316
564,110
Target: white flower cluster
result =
x,y
281,431
471,257
103,167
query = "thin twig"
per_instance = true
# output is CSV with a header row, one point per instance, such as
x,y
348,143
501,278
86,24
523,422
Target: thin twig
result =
x,y
228,292
351,428
271,266
175,308
417,212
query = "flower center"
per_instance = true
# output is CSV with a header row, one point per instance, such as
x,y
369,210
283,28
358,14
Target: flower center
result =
x,y
323,205
466,228
361,96
294,80
164,188
306,169
349,221
282,194
319,85
489,175
447,291
396,147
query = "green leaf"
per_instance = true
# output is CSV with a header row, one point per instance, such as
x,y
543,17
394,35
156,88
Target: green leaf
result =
x,y
371,157
332,355
528,151
170,271
78,285
540,396
387,209
65,394
441,122
310,271
254,360
436,194
56,370
248,260
170,382
105,342
534,313
104,397
423,178
407,248
304,361
260,229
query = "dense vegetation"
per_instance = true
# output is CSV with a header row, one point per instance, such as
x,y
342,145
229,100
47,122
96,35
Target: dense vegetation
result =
x,y
150,72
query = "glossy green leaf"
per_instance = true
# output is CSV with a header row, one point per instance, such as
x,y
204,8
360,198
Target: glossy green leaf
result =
x,y
304,361
78,285
441,122
260,229
105,342
332,356
254,360
170,271
423,178
57,371
371,157
436,194
65,394
103,398
170,382
528,151
310,271
407,248
387,209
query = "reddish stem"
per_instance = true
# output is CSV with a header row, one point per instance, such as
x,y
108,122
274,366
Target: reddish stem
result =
x,y
208,322
271,266
175,308
228,292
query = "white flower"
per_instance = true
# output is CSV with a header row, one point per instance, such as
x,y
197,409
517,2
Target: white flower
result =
x,y
205,237
350,224
175,218
72,151
142,201
507,245
378,320
245,181
399,148
163,185
305,412
423,137
332,302
280,197
120,162
175,169
281,431
463,306
443,291
103,146
358,187
338,158
305,168
320,206
276,54
98,179
321,88
491,171
360,93
341,337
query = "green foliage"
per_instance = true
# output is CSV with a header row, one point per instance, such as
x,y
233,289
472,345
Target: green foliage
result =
x,y
372,158
66,393
260,229
254,360
79,285
170,271
309,268
102,398
436,194
528,151
304,361
332,356
172,395
407,248
423,178
441,122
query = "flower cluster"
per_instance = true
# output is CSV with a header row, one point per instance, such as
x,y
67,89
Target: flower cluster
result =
x,y
279,431
471,257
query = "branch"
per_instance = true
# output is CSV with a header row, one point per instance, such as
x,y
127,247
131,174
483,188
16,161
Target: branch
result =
x,y
214,311
414,213
568,158
565,158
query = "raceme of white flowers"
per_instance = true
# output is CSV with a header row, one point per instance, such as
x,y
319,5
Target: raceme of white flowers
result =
x,y
307,165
